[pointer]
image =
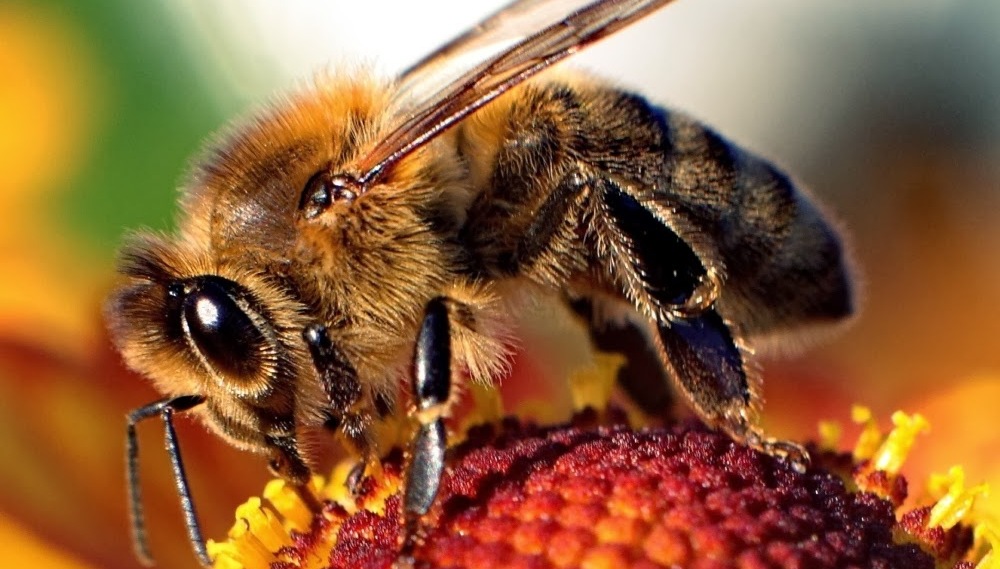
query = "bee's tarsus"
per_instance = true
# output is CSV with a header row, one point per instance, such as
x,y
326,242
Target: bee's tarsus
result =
x,y
165,409
423,477
707,364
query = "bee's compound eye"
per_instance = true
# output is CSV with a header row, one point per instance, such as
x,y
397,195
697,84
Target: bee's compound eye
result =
x,y
323,189
221,330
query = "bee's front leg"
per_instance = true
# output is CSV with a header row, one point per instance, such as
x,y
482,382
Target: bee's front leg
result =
x,y
165,408
343,391
431,390
287,463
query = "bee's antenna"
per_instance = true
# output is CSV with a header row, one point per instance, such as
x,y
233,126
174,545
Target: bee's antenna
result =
x,y
165,408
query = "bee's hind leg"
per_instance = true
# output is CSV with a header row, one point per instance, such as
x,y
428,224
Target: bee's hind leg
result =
x,y
703,352
431,390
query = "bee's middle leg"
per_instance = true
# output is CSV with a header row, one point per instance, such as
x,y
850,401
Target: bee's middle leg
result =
x,y
431,390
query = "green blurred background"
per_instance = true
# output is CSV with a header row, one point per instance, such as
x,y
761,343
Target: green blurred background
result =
x,y
888,111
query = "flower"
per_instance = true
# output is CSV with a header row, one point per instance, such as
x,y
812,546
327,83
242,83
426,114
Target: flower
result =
x,y
597,493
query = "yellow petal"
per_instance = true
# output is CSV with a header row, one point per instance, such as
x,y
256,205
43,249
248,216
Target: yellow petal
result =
x,y
956,502
870,437
987,537
591,386
893,451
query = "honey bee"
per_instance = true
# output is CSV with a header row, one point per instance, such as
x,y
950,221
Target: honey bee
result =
x,y
361,232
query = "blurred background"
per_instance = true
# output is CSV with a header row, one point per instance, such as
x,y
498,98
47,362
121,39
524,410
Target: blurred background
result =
x,y
889,112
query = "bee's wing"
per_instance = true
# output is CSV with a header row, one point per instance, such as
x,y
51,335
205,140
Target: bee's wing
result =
x,y
501,30
507,48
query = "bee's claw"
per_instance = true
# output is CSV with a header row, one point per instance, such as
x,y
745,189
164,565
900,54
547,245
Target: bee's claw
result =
x,y
795,454
355,477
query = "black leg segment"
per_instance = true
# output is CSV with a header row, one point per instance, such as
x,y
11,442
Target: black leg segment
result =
x,y
432,361
670,269
339,378
165,409
343,391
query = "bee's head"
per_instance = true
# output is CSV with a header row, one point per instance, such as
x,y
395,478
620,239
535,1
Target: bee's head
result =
x,y
211,328
274,237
